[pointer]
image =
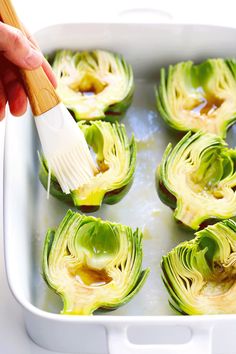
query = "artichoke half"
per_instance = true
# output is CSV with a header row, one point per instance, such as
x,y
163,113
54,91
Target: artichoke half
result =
x,y
93,85
116,160
200,274
92,263
197,178
199,97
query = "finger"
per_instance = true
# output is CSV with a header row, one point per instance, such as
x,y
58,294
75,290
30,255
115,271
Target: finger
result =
x,y
13,88
31,38
17,98
3,101
17,48
46,66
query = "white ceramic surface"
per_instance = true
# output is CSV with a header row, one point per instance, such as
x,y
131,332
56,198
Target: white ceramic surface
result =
x,y
29,214
13,338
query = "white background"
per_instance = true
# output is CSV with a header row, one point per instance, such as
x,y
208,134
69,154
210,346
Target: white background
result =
x,y
35,15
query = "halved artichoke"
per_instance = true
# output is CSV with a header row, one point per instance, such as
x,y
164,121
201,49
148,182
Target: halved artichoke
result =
x,y
93,263
93,85
197,178
116,159
199,97
200,274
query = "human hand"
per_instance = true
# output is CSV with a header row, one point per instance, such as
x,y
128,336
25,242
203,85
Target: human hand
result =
x,y
17,51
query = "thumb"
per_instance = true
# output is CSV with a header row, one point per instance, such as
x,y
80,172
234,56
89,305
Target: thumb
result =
x,y
17,48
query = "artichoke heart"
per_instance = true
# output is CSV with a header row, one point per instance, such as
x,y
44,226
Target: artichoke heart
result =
x,y
197,178
93,85
116,160
199,97
93,264
200,275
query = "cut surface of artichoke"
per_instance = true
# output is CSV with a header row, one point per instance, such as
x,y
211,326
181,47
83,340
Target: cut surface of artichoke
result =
x,y
200,275
197,178
116,160
199,97
93,85
93,263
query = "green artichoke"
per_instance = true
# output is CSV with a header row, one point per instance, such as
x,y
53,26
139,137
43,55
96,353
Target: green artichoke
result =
x,y
93,264
197,178
116,160
200,274
199,97
93,85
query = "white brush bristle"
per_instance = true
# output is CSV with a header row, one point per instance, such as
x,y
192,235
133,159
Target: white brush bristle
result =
x,y
65,148
73,168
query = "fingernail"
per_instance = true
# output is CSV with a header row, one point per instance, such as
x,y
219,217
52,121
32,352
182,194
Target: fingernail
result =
x,y
34,58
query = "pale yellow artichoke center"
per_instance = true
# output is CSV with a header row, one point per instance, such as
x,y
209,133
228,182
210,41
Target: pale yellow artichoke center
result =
x,y
89,276
89,84
203,106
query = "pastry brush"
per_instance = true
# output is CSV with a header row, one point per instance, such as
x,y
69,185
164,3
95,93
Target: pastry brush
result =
x,y
63,143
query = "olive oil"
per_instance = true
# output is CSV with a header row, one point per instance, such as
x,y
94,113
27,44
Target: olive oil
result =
x,y
92,277
207,105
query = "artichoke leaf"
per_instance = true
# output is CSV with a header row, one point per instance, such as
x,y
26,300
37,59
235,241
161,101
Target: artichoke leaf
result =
x,y
116,161
200,275
197,178
198,97
93,85
92,263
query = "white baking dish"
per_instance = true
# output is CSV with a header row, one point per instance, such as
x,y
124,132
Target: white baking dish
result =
x,y
27,213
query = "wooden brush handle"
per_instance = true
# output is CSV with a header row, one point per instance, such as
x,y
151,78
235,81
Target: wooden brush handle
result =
x,y
40,91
